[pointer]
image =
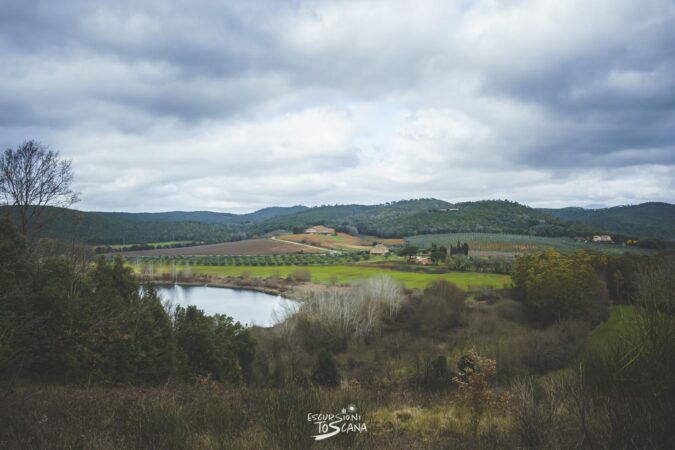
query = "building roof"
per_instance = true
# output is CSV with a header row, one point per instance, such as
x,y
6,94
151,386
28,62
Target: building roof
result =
x,y
379,248
320,229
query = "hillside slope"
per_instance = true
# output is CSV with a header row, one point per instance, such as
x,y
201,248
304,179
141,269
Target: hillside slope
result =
x,y
650,220
427,216
395,219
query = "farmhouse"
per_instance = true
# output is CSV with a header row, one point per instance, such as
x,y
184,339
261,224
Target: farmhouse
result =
x,y
319,229
602,238
422,260
379,249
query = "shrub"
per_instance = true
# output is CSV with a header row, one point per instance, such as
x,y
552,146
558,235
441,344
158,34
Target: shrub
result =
x,y
328,319
439,309
301,275
632,364
325,371
486,293
554,347
473,385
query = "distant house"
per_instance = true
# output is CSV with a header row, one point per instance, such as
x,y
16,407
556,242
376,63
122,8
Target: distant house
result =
x,y
379,249
602,238
320,229
422,260
448,209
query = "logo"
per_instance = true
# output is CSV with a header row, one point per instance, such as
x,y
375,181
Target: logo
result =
x,y
329,425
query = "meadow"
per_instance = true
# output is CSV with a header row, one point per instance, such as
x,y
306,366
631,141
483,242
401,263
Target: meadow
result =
x,y
339,274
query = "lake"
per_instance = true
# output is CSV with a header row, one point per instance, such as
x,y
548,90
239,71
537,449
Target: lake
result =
x,y
245,306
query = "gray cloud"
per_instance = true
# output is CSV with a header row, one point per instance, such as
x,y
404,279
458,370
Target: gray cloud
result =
x,y
239,105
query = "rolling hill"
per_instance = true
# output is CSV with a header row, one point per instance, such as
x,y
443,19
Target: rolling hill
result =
x,y
394,219
426,216
648,220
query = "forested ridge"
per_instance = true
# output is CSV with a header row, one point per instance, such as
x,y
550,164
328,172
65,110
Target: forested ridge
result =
x,y
651,220
395,219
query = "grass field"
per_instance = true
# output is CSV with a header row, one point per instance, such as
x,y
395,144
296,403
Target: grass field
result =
x,y
347,274
243,248
340,241
510,243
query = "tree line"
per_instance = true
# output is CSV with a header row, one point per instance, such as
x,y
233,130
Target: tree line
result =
x,y
69,324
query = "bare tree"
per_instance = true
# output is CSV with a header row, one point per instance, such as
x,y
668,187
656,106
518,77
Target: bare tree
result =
x,y
33,177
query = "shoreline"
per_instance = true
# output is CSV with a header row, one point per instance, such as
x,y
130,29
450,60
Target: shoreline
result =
x,y
221,284
290,290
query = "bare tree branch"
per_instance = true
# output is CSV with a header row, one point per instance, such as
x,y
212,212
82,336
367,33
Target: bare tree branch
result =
x,y
32,177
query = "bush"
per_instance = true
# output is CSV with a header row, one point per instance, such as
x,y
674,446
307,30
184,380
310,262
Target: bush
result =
x,y
441,308
328,319
555,347
325,371
301,275
486,293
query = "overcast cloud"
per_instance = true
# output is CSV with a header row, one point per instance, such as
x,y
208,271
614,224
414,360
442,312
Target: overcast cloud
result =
x,y
167,105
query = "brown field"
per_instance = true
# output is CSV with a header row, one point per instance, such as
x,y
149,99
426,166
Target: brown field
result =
x,y
342,241
248,247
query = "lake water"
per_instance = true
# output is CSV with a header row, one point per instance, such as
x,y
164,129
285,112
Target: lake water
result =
x,y
245,306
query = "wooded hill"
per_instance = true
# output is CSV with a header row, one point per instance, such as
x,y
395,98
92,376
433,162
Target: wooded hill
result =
x,y
650,220
395,219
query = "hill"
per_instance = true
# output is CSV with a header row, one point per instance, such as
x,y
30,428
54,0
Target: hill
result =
x,y
394,219
426,216
209,216
136,228
649,220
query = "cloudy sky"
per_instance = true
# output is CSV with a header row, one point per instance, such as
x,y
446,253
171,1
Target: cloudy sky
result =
x,y
233,106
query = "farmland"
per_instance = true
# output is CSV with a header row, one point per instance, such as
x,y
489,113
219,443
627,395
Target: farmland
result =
x,y
247,247
340,274
340,241
152,244
514,243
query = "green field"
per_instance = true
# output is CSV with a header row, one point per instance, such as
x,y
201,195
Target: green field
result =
x,y
516,243
342,274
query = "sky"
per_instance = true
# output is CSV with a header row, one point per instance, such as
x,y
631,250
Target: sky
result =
x,y
234,106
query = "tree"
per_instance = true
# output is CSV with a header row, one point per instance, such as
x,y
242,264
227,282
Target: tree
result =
x,y
32,177
438,254
558,286
408,251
